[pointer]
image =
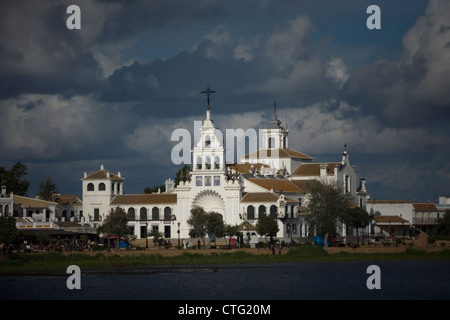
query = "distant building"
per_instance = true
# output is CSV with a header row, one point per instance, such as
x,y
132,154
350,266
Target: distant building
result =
x,y
268,181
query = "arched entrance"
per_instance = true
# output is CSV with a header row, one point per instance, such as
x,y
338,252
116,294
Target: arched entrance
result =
x,y
210,201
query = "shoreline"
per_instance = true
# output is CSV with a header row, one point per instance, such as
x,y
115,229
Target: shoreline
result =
x,y
42,263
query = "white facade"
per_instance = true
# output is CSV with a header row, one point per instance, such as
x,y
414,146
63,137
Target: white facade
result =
x,y
267,181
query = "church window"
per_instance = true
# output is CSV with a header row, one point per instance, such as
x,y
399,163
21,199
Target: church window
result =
x,y
273,211
261,211
96,214
167,214
143,214
208,163
199,181
155,213
271,143
250,212
216,162
284,143
207,141
199,162
131,214
90,187
101,187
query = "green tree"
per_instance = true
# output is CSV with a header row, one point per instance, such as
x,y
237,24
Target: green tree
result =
x,y
215,225
356,217
206,223
444,223
267,226
14,180
115,225
197,221
230,231
182,174
9,234
155,189
46,189
327,206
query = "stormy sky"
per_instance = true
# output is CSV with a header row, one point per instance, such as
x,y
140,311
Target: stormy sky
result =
x,y
113,92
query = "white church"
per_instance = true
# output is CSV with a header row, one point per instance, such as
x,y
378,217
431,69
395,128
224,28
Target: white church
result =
x,y
268,181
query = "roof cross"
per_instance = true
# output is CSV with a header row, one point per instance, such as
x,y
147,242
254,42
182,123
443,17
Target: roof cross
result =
x,y
208,92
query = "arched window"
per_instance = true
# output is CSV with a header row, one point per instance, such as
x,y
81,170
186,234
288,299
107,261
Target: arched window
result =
x,y
207,141
143,214
199,162
261,211
155,213
131,214
90,187
284,142
273,211
167,214
250,212
101,187
271,143
208,163
216,162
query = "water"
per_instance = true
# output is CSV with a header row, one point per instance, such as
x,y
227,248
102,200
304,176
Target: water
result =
x,y
403,280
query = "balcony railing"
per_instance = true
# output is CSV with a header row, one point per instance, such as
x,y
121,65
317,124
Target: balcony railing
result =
x,y
425,221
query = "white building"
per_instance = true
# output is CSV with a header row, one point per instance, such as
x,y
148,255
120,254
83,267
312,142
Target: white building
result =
x,y
267,181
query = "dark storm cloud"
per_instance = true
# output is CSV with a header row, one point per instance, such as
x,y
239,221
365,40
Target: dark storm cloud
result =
x,y
39,54
413,91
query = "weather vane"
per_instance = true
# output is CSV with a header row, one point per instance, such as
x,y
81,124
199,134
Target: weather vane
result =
x,y
208,92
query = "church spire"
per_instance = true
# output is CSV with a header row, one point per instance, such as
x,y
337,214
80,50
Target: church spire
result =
x,y
275,123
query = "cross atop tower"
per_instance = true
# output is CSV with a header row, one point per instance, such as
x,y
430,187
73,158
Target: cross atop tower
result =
x,y
208,92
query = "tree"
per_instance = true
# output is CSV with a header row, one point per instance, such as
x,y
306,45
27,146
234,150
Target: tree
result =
x,y
215,225
13,179
155,188
206,223
231,230
115,225
9,234
46,190
182,174
327,206
356,217
444,223
267,226
197,221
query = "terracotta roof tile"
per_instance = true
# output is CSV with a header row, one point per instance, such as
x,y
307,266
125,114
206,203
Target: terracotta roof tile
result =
x,y
32,202
424,206
103,174
276,184
280,153
313,169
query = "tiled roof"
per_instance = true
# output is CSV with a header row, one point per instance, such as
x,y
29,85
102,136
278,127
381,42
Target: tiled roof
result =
x,y
279,153
154,198
276,184
32,202
103,174
424,206
247,167
388,219
67,199
313,169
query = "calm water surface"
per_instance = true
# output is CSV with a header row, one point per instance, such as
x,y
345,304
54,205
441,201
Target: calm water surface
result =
x,y
293,281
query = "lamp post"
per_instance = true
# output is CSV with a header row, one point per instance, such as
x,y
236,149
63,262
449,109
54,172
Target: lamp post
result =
x,y
178,231
146,235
